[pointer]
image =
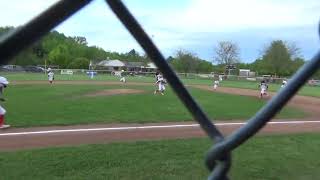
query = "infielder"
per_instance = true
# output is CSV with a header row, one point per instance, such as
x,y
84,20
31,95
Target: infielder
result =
x,y
50,75
161,84
263,88
284,83
3,84
122,78
215,84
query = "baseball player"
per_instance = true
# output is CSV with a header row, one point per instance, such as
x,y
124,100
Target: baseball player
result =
x,y
263,88
50,75
156,79
156,76
3,84
215,84
122,78
91,74
161,84
284,83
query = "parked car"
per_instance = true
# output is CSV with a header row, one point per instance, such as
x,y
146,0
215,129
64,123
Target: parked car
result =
x,y
34,69
12,68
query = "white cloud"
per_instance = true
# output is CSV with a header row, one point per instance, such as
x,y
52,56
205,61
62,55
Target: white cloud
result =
x,y
18,12
179,24
235,15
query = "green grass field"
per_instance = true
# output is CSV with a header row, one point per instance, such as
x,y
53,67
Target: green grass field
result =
x,y
42,105
273,157
306,90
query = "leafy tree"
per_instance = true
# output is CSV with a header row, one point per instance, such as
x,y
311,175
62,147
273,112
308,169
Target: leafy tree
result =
x,y
203,66
62,50
294,50
185,61
59,56
296,64
277,58
79,63
132,55
80,40
170,59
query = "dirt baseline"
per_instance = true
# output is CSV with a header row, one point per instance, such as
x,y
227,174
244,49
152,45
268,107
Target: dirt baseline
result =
x,y
105,133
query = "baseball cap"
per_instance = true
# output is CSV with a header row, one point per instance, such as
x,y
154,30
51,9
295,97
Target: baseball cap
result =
x,y
4,80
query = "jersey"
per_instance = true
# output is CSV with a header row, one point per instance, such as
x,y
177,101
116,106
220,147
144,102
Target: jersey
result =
x,y
284,82
263,86
51,76
160,79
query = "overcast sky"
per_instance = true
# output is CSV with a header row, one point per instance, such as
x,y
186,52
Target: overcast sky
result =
x,y
195,25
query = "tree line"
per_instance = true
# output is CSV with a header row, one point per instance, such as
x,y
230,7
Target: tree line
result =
x,y
279,58
67,52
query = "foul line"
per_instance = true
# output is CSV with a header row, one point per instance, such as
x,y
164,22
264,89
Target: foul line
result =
x,y
144,127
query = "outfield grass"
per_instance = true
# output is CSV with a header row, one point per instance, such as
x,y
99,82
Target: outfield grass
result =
x,y
100,77
305,91
41,105
273,157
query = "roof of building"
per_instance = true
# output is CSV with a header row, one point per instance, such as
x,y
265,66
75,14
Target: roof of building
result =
x,y
151,66
134,64
111,63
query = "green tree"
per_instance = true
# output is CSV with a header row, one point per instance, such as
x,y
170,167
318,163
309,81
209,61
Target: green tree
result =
x,y
170,59
80,40
296,64
185,61
79,63
59,56
277,58
204,66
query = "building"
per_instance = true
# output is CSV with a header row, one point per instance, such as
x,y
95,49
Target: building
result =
x,y
112,65
246,73
134,66
116,65
151,67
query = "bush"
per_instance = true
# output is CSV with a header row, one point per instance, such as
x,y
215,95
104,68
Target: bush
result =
x,y
79,63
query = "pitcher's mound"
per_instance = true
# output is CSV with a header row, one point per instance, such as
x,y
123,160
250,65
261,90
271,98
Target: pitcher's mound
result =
x,y
110,92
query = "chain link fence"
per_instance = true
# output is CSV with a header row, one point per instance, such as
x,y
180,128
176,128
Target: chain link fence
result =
x,y
218,158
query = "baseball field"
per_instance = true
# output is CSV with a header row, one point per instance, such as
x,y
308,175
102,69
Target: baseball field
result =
x,y
81,128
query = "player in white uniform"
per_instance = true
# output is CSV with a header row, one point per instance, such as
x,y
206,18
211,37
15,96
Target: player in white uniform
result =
x,y
263,88
215,84
122,78
161,84
3,84
284,83
50,76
